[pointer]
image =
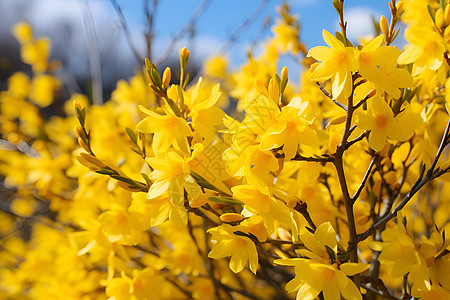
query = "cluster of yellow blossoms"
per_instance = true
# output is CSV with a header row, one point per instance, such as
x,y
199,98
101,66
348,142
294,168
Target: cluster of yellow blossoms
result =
x,y
164,192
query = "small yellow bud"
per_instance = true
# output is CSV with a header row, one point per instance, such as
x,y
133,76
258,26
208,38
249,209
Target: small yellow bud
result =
x,y
166,78
93,160
439,18
184,54
447,34
231,217
399,7
274,90
83,144
283,79
284,73
384,25
80,131
76,105
447,15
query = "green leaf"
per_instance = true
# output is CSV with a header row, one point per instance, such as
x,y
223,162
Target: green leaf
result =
x,y
431,12
225,200
81,115
131,135
340,37
147,179
174,107
331,253
185,82
342,257
104,171
443,3
246,234
337,6
148,64
203,182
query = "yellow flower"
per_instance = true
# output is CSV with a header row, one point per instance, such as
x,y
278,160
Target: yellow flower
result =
x,y
156,211
260,201
43,89
379,64
319,272
338,63
426,50
291,130
380,119
19,85
36,54
204,113
422,260
172,175
240,247
216,67
168,130
120,226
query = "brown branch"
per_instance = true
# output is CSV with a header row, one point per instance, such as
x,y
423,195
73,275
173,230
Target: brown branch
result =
x,y
324,91
363,182
127,32
421,181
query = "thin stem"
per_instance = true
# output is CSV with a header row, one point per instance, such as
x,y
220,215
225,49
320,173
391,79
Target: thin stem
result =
x,y
363,182
186,28
342,23
364,100
244,25
324,91
127,32
421,181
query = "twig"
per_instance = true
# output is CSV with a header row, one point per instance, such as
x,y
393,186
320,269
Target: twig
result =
x,y
356,139
127,32
299,157
94,56
364,100
363,182
421,181
342,23
324,91
149,16
189,24
244,25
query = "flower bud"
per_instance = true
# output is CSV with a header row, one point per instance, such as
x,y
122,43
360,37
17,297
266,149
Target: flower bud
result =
x,y
447,15
274,90
284,73
166,78
399,7
231,217
184,54
439,18
384,25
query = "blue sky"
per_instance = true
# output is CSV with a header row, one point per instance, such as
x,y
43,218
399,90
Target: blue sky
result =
x,y
223,17
212,29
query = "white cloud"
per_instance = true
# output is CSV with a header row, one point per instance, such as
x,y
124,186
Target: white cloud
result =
x,y
359,20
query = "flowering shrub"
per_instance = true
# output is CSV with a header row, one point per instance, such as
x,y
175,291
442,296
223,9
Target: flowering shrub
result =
x,y
163,193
